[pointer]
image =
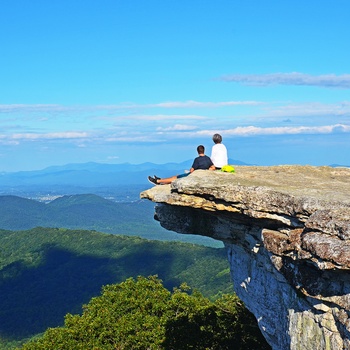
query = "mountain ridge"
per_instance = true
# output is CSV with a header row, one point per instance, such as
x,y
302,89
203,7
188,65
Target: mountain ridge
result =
x,y
89,212
121,182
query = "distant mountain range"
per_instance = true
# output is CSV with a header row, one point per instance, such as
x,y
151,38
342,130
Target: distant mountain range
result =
x,y
91,196
118,182
94,174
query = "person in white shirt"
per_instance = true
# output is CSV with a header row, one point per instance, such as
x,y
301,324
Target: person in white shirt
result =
x,y
218,152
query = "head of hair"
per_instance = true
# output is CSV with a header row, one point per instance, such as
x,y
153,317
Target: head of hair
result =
x,y
217,138
200,149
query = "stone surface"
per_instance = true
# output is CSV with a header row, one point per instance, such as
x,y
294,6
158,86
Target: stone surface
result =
x,y
287,234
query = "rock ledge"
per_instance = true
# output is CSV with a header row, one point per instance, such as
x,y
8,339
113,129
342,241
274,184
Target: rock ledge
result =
x,y
287,234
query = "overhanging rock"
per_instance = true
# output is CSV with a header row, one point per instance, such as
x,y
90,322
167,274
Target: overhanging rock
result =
x,y
287,234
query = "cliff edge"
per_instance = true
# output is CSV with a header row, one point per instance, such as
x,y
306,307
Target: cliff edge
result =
x,y
287,234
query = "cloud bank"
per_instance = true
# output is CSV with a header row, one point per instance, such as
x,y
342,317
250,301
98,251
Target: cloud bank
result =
x,y
196,104
94,126
173,132
294,78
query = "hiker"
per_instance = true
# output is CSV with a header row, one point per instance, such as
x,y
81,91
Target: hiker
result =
x,y
218,152
201,162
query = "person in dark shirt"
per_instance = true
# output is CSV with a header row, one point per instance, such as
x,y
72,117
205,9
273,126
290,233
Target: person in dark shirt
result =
x,y
201,162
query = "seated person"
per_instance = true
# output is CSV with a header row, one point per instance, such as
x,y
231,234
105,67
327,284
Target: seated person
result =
x,y
201,162
218,152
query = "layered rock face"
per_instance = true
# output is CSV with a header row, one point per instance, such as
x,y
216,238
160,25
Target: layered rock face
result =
x,y
287,234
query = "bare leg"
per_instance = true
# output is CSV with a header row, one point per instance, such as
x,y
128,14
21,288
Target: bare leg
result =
x,y
166,180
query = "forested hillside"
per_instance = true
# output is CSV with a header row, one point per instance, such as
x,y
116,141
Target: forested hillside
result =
x,y
90,212
86,211
47,272
140,314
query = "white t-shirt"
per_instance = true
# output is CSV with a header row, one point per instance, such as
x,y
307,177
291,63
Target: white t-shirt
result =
x,y
219,155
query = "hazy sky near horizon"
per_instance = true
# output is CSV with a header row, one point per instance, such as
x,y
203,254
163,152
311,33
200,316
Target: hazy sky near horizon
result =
x,y
147,81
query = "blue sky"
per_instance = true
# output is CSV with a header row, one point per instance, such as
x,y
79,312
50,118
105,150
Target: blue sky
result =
x,y
147,81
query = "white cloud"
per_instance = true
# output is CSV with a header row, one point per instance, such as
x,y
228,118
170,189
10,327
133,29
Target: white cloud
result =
x,y
132,139
253,130
50,108
178,127
179,104
309,109
13,108
196,104
326,80
53,135
165,117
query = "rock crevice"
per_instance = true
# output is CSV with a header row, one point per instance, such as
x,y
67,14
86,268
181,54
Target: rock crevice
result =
x,y
286,230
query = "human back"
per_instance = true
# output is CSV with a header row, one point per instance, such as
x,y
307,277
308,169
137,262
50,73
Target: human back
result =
x,y
219,152
202,162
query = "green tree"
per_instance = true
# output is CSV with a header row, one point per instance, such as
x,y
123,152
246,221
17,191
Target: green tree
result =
x,y
142,314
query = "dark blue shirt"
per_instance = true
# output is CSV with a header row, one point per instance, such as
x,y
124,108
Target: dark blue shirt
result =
x,y
202,162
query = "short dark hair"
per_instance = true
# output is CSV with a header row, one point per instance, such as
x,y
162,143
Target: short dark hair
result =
x,y
217,138
200,149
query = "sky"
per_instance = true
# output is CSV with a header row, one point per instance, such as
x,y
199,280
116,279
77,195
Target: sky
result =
x,y
115,81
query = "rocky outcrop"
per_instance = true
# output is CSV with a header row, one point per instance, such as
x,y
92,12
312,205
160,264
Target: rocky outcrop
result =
x,y
287,234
